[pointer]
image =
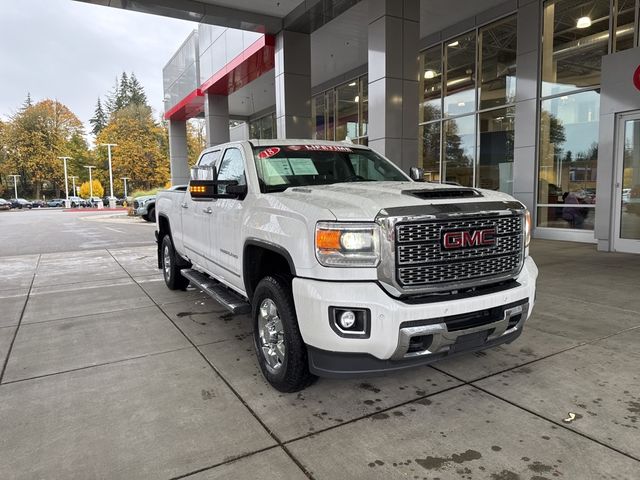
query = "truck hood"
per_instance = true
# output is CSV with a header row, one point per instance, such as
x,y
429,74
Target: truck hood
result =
x,y
362,201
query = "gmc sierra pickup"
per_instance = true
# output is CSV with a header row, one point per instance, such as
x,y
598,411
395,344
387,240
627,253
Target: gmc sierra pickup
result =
x,y
347,265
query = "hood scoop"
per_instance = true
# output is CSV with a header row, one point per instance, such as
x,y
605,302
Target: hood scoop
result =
x,y
443,193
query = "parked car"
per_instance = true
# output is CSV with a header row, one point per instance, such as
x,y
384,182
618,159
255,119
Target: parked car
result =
x,y
55,202
39,204
78,202
346,264
4,204
94,201
105,201
146,207
21,203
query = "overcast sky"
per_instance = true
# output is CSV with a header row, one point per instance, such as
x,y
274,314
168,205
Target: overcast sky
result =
x,y
73,51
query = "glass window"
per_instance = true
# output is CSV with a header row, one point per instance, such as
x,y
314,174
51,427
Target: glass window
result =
x,y
460,88
347,97
429,158
575,37
630,212
282,166
459,150
268,129
568,160
231,168
209,158
431,85
364,110
625,25
318,113
495,156
498,63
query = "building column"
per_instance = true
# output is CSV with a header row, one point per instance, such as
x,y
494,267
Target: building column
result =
x,y
394,38
216,115
524,155
293,85
178,152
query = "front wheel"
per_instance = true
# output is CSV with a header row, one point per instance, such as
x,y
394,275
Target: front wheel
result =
x,y
151,216
281,352
170,267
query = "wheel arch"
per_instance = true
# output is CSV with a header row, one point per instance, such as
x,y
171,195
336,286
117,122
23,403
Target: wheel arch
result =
x,y
261,258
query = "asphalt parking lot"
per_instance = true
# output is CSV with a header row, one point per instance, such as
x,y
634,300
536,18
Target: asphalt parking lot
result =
x,y
107,374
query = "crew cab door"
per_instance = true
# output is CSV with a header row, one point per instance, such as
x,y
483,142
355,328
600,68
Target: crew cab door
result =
x,y
226,221
196,215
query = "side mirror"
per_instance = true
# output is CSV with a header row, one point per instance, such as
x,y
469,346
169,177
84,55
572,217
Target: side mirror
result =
x,y
416,174
203,173
238,191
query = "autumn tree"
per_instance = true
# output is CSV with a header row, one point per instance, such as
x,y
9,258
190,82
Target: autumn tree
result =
x,y
140,154
35,137
98,189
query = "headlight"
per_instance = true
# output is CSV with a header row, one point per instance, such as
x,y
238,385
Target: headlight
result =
x,y
527,228
347,244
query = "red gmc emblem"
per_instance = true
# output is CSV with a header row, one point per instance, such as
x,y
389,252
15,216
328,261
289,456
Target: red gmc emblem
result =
x,y
469,238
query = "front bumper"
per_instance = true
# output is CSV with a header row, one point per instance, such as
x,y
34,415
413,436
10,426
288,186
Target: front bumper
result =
x,y
446,328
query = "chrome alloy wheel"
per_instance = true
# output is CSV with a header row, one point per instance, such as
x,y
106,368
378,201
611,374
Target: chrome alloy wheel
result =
x,y
166,262
271,335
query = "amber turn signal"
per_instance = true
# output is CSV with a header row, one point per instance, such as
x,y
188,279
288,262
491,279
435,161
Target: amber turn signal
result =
x,y
328,239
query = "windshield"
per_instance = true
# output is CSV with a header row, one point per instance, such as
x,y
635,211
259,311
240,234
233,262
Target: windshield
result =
x,y
281,167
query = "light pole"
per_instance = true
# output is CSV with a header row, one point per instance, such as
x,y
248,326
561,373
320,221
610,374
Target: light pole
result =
x,y
112,202
90,167
73,179
15,184
66,182
125,186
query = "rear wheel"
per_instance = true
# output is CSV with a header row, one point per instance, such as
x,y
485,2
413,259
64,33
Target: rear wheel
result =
x,y
281,352
170,266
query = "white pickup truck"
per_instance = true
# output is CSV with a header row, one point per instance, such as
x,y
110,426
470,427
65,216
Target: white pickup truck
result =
x,y
347,265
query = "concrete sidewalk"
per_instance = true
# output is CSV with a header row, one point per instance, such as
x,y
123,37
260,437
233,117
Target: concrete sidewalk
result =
x,y
108,374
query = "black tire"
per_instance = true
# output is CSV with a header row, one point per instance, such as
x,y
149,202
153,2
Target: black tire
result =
x,y
151,215
292,374
171,272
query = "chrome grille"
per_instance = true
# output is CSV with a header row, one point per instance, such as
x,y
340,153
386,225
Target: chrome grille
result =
x,y
422,261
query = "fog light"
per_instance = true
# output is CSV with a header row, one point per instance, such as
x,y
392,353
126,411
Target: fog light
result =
x,y
347,319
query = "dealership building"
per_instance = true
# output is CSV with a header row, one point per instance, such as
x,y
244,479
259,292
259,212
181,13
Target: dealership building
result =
x,y
539,99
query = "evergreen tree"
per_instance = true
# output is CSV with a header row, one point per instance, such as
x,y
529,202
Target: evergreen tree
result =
x,y
136,91
99,120
110,103
27,102
123,96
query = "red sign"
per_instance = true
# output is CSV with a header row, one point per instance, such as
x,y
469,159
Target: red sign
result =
x,y
636,78
469,238
269,152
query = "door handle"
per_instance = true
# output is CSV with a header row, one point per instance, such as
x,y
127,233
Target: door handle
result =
x,y
184,205
208,211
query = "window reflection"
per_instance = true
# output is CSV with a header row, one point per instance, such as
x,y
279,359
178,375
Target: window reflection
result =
x,y
625,25
575,37
263,127
495,162
459,150
498,63
431,84
342,112
430,151
460,93
347,98
568,160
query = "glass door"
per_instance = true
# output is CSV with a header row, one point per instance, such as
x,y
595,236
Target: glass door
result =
x,y
628,184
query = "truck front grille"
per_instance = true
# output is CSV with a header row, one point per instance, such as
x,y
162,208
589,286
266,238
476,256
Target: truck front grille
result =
x,y
423,261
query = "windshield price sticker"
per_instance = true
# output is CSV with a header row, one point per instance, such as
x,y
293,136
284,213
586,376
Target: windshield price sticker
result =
x,y
269,152
320,148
